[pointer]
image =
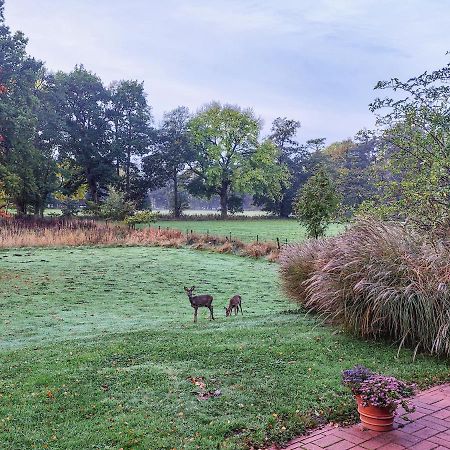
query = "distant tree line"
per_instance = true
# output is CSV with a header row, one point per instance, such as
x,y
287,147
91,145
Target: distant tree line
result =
x,y
67,137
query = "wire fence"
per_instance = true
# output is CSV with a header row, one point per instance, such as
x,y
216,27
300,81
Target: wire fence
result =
x,y
233,237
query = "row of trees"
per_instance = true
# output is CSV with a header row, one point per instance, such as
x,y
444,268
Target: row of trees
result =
x,y
68,136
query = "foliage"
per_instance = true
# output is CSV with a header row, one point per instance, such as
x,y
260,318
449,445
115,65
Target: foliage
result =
x,y
172,152
115,206
130,117
129,363
82,104
141,217
227,157
378,280
414,130
317,203
27,167
293,157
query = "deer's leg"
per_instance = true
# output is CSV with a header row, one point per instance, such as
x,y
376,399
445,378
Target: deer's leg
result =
x,y
195,315
236,310
241,308
211,311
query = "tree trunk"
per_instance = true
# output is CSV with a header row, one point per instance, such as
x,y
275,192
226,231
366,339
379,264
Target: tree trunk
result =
x,y
285,207
176,202
224,200
127,180
92,188
21,208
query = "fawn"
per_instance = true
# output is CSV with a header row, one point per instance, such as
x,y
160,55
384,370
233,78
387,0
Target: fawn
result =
x,y
235,303
198,301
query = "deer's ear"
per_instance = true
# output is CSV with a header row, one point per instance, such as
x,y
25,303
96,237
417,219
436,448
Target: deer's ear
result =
x,y
185,288
193,287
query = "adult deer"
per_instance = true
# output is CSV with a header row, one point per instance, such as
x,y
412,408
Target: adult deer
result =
x,y
197,301
235,303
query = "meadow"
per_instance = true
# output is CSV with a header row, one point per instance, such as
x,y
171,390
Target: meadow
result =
x,y
98,350
247,230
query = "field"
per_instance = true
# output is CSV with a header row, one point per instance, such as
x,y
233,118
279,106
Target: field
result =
x,y
247,230
98,351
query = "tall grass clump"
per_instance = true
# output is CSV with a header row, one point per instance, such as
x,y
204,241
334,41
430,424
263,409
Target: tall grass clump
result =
x,y
18,232
378,281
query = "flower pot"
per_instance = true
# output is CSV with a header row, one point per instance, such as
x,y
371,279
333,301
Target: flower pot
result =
x,y
375,418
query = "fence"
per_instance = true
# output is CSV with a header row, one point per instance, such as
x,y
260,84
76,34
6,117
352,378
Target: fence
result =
x,y
233,237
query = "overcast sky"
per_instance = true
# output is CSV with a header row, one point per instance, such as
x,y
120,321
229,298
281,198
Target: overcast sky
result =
x,y
311,60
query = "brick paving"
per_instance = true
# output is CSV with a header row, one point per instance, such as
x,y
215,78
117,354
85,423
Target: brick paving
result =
x,y
429,429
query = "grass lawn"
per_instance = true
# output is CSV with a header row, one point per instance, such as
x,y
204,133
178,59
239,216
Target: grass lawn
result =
x,y
98,345
247,230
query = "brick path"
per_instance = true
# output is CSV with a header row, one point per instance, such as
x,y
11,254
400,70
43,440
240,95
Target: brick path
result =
x,y
429,429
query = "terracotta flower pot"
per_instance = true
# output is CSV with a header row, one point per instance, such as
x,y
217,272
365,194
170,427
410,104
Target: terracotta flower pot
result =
x,y
375,418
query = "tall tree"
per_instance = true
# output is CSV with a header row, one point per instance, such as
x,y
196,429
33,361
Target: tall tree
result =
x,y
295,158
227,157
22,160
86,134
172,153
131,120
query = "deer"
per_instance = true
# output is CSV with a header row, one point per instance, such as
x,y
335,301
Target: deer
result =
x,y
197,301
235,303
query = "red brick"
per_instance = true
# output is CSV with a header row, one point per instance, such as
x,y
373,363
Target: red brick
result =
x,y
424,445
442,414
328,440
310,446
444,403
342,445
438,440
437,424
425,433
375,443
346,434
392,446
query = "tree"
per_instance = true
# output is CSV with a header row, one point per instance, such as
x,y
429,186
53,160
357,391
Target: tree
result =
x,y
414,135
27,169
291,155
227,157
317,203
131,120
85,142
172,153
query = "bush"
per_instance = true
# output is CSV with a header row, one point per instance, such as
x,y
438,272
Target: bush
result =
x,y
141,217
378,280
115,206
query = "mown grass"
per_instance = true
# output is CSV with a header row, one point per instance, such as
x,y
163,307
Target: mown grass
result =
x,y
98,345
247,230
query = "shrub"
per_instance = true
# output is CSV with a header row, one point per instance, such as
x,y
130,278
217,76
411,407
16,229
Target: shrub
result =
x,y
141,217
378,280
115,206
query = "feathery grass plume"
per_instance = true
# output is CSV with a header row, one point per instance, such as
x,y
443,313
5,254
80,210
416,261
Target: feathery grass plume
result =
x,y
378,280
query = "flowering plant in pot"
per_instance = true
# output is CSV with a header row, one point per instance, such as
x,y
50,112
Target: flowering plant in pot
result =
x,y
377,396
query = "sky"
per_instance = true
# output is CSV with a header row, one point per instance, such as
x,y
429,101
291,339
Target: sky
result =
x,y
315,61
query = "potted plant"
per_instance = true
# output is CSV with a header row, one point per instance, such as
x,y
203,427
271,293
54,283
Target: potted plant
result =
x,y
377,396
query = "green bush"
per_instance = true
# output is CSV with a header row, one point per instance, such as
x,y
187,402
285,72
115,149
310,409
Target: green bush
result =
x,y
141,217
377,280
115,206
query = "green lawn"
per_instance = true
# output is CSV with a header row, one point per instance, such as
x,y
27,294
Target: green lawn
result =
x,y
97,347
247,230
